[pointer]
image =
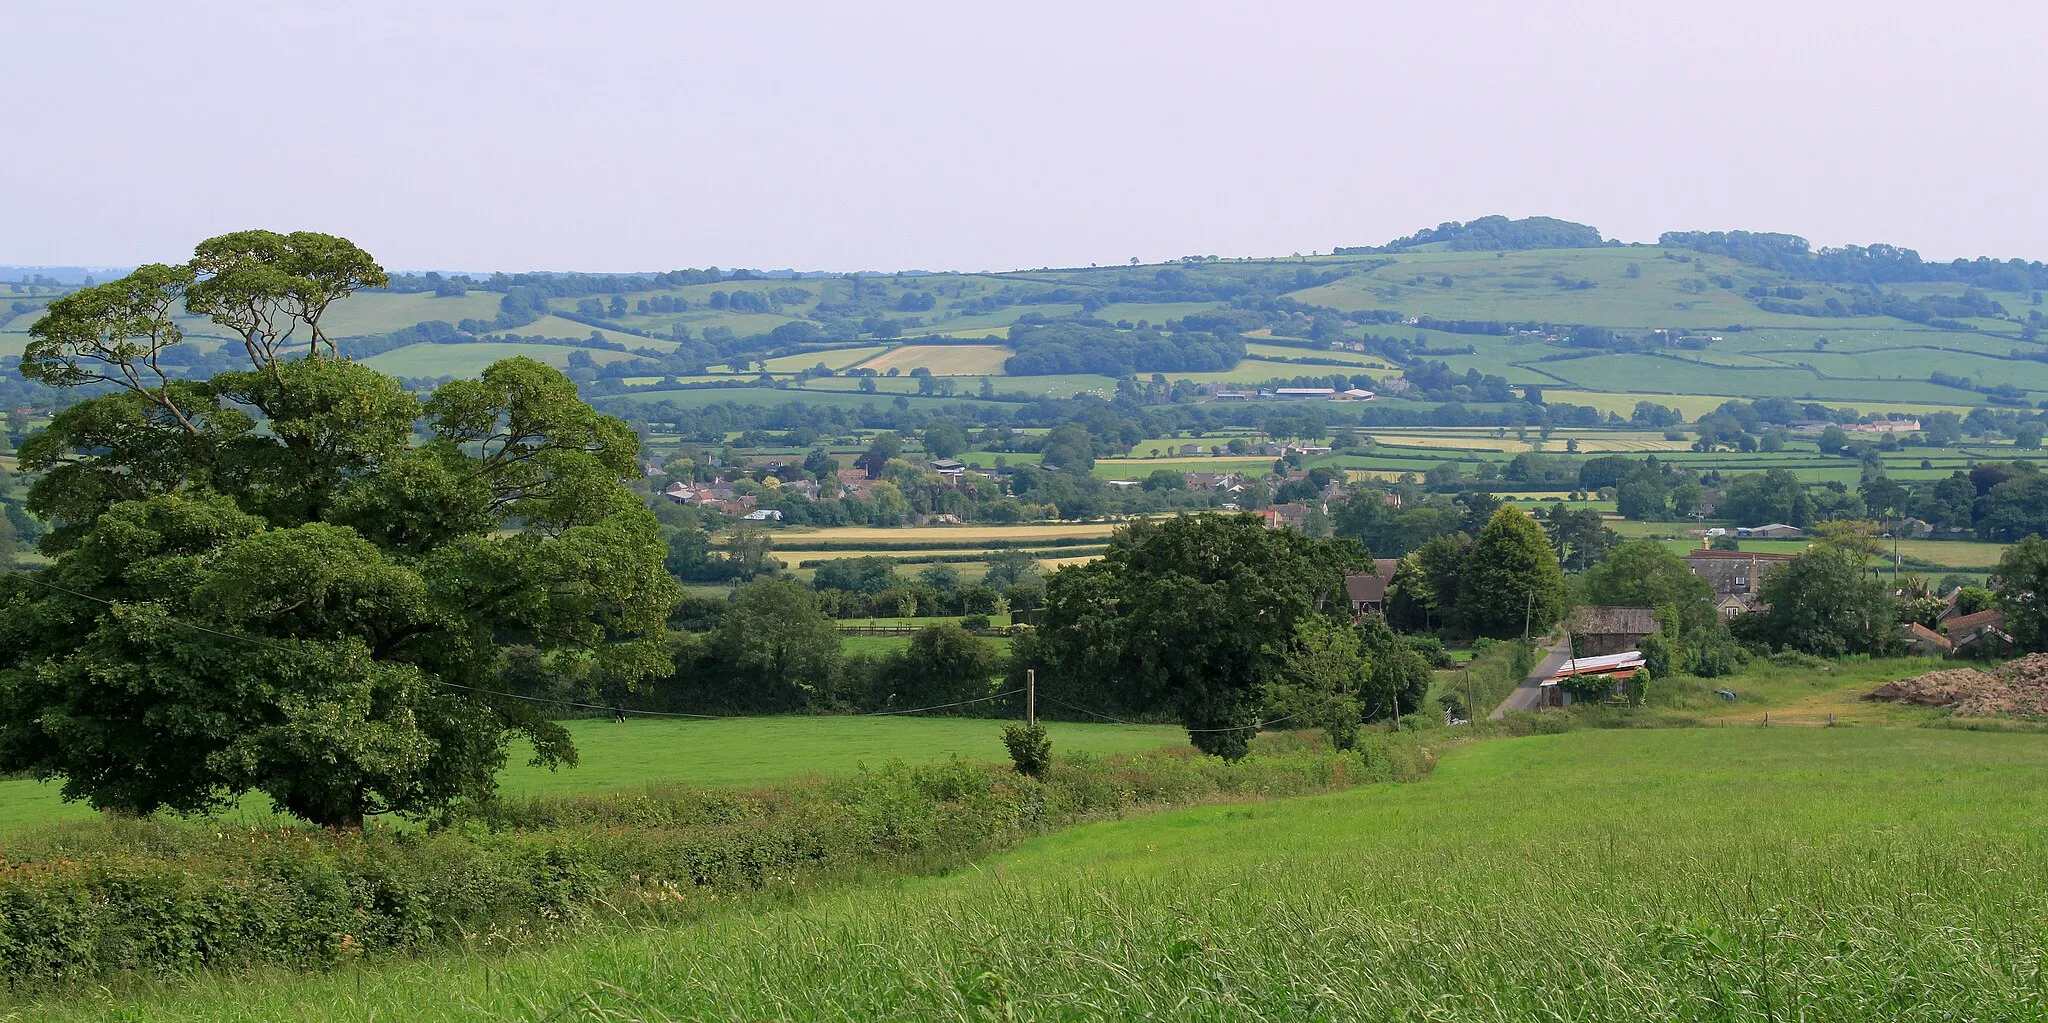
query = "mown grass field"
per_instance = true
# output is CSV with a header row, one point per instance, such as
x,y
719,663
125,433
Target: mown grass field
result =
x,y
1702,874
738,751
942,360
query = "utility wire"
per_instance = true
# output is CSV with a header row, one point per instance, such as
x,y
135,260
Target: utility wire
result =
x,y
1121,721
269,644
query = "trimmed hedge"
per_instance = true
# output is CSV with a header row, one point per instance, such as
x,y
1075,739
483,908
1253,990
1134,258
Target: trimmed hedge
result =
x,y
165,897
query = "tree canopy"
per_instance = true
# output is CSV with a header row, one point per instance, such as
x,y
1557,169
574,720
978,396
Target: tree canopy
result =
x,y
1199,612
295,578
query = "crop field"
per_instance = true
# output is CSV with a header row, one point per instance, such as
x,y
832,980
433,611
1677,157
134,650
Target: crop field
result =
x,y
965,535
1719,873
942,360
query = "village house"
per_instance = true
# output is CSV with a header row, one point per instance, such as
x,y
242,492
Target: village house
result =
x,y
1368,590
1974,633
1599,631
1285,516
1926,642
854,482
1737,576
1221,482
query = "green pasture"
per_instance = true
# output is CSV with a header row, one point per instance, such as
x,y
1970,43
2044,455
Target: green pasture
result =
x,y
833,358
465,360
381,312
735,751
1525,287
1700,874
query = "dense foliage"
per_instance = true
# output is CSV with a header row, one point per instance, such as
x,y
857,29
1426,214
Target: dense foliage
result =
x,y
1198,613
292,578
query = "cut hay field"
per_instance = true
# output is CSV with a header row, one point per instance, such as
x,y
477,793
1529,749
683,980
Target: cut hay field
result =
x,y
942,360
1699,874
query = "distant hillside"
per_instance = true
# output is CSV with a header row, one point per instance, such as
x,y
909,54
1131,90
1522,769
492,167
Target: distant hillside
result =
x,y
1536,302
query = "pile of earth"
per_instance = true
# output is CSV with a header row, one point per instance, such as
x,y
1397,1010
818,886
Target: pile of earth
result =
x,y
2018,688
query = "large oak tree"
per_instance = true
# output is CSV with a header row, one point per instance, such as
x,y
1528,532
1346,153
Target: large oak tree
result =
x,y
295,578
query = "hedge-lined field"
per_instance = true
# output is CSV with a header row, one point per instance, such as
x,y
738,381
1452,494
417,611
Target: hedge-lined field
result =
x,y
1703,874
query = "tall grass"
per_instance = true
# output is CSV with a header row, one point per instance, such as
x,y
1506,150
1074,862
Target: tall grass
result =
x,y
158,898
1704,874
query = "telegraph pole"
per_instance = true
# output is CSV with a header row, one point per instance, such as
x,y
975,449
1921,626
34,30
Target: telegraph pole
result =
x,y
1031,697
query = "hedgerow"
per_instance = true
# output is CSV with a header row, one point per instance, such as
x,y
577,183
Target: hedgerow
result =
x,y
158,897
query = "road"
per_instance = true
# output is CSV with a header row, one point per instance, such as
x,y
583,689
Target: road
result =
x,y
1525,695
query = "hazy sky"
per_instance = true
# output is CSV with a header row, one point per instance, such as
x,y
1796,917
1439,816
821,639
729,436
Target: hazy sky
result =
x,y
875,135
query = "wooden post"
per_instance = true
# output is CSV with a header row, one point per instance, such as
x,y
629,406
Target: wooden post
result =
x,y
1031,697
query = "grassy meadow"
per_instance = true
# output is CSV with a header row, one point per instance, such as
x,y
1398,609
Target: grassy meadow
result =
x,y
730,752
1698,874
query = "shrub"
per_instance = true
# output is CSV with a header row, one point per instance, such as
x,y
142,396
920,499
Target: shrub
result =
x,y
1030,749
975,623
1656,651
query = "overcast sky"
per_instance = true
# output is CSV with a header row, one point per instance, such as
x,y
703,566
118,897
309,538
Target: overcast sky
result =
x,y
876,135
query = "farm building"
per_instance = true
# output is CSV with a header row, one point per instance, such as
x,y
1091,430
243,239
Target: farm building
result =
x,y
1737,576
1303,393
1772,531
1552,692
1368,590
1600,631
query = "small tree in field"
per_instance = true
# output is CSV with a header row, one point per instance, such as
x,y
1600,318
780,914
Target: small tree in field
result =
x,y
1030,748
1198,613
296,577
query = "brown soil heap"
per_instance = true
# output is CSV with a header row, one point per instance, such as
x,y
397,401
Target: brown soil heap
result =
x,y
2018,688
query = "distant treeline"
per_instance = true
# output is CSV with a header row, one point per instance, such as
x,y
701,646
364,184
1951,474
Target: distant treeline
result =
x,y
1494,233
1857,264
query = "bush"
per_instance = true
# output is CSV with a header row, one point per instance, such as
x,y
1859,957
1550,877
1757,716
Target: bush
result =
x,y
975,623
1030,749
1656,651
